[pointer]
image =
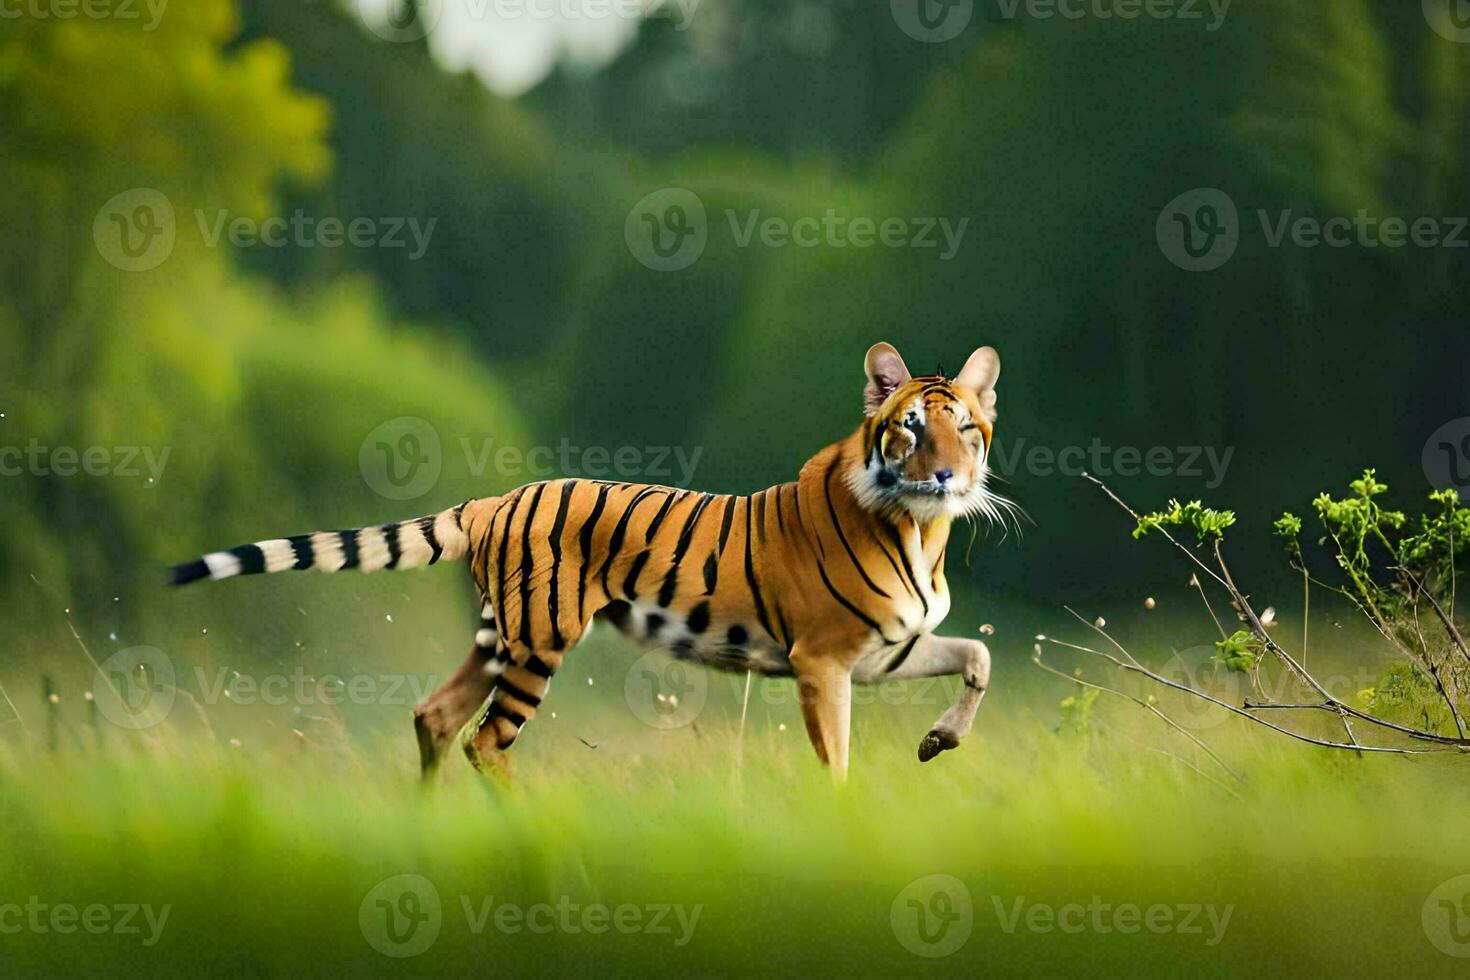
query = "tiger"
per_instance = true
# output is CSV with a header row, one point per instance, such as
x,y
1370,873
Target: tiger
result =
x,y
833,579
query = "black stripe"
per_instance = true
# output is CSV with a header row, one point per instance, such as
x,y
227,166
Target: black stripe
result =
x,y
868,621
527,565
537,666
698,620
903,655
553,602
395,548
908,569
349,548
304,552
760,521
659,517
426,525
500,561
501,684
632,580
780,515
188,572
781,622
509,714
589,526
252,559
615,543
666,591
755,589
837,526
712,563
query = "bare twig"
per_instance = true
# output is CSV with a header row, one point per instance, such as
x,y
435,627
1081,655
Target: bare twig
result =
x,y
1036,659
1194,692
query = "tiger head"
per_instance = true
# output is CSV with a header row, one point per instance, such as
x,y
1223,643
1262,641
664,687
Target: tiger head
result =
x,y
926,439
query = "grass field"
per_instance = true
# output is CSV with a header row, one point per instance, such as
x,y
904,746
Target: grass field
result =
x,y
1079,847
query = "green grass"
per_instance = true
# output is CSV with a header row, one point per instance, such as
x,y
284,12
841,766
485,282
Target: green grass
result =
x,y
266,852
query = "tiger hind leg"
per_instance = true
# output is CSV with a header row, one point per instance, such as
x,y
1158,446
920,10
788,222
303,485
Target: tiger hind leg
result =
x,y
517,696
438,718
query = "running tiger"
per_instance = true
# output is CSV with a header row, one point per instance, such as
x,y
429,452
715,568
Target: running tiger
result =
x,y
832,579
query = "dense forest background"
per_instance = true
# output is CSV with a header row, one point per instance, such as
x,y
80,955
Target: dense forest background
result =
x,y
528,320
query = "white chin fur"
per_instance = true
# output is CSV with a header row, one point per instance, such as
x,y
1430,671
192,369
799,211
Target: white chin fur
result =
x,y
923,507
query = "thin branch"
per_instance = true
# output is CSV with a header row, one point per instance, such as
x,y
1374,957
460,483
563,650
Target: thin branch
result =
x,y
19,720
1036,659
1258,629
1157,678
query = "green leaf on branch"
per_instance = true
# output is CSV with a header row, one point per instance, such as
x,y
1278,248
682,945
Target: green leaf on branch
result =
x,y
1239,651
1207,523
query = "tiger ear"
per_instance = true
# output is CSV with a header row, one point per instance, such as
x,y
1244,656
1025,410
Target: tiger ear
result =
x,y
886,371
979,375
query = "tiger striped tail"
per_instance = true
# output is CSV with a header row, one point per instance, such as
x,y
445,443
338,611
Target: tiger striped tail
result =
x,y
406,544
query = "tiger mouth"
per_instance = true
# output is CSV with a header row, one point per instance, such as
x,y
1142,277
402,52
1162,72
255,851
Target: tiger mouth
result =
x,y
892,483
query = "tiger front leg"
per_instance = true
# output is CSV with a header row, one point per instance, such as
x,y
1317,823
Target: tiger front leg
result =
x,y
940,656
824,689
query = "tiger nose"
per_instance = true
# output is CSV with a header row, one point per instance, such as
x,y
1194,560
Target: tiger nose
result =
x,y
943,476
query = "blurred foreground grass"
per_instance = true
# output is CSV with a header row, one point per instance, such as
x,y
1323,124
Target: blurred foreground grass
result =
x,y
267,856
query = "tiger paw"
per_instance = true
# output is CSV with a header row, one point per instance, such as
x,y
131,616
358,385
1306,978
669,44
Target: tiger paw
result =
x,y
934,743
